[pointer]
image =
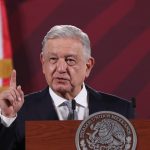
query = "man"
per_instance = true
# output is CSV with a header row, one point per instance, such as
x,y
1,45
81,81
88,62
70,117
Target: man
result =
x,y
66,63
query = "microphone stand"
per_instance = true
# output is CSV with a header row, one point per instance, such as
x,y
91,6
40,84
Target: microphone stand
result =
x,y
73,108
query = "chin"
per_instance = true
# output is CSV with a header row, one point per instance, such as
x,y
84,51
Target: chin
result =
x,y
62,89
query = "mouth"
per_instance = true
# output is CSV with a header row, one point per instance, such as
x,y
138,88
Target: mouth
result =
x,y
61,79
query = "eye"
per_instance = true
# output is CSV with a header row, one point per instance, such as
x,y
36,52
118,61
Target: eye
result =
x,y
53,60
70,61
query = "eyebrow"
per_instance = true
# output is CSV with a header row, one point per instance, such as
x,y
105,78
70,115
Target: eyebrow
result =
x,y
67,55
72,56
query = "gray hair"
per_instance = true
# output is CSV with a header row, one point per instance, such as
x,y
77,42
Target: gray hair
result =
x,y
69,31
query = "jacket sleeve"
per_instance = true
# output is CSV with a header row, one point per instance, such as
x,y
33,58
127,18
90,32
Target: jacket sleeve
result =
x,y
7,137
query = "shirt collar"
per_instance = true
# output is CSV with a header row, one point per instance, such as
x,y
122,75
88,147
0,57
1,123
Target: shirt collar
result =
x,y
56,99
80,99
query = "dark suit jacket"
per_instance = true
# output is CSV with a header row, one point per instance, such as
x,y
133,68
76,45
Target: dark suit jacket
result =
x,y
39,106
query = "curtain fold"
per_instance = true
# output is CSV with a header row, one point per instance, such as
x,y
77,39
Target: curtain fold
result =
x,y
5,48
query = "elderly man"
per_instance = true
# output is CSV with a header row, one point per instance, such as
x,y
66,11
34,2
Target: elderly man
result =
x,y
66,63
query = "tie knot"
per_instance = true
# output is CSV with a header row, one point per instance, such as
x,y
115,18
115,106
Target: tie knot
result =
x,y
68,104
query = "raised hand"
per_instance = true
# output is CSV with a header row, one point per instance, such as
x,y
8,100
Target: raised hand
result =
x,y
12,99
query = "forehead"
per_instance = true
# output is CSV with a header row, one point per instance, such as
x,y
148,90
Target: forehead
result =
x,y
58,46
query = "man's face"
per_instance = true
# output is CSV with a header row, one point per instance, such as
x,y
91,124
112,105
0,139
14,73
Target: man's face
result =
x,y
65,66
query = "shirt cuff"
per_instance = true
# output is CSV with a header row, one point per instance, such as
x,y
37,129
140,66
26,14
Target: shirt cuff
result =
x,y
6,121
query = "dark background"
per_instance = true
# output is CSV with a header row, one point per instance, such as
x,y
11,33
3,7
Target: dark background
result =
x,y
120,37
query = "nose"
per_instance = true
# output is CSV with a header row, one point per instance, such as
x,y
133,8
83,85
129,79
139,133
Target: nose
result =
x,y
61,66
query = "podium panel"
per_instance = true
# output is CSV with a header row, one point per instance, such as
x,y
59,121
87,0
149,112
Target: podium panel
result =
x,y
60,135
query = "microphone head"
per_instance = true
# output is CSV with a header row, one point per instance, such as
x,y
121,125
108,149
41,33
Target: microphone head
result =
x,y
73,104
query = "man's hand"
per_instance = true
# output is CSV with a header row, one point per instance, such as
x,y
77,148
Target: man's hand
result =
x,y
11,100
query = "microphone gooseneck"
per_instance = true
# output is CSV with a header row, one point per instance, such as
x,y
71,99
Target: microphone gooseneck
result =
x,y
73,108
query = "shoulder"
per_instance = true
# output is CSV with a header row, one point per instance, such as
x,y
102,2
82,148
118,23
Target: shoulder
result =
x,y
35,96
114,98
107,97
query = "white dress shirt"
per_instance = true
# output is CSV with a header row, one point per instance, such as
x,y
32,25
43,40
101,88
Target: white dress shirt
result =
x,y
5,120
81,104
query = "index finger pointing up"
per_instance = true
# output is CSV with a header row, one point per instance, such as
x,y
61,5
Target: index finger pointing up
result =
x,y
13,79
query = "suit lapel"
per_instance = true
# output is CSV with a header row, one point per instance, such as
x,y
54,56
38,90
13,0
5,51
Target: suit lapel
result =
x,y
95,101
48,105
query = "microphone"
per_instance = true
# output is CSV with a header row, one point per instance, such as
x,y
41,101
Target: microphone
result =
x,y
73,108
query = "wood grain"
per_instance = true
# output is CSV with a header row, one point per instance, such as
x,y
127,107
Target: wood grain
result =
x,y
60,135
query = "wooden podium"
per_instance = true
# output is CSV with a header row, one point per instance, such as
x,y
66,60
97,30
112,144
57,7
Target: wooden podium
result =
x,y
60,135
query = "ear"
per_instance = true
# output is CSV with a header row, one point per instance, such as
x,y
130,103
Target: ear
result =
x,y
42,60
90,63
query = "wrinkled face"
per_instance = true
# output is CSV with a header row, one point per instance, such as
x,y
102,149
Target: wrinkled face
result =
x,y
65,66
